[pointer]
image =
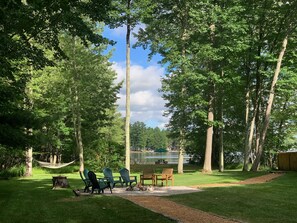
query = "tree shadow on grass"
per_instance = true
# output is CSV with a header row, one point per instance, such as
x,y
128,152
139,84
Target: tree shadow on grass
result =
x,y
34,200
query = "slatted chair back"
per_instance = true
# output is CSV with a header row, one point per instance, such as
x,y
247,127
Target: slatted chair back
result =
x,y
109,176
127,179
167,175
98,184
147,174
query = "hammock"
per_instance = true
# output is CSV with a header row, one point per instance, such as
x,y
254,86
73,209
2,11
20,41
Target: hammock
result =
x,y
53,166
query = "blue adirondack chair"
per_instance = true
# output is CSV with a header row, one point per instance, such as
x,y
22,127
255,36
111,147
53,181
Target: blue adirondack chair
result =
x,y
85,178
127,179
98,184
109,176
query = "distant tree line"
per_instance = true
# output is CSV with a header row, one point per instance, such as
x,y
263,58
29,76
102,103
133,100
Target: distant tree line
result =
x,y
147,138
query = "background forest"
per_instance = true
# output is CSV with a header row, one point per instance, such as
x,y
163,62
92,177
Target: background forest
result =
x,y
230,84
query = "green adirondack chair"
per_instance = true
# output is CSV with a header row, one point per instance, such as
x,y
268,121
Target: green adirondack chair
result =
x,y
127,179
109,176
98,184
85,178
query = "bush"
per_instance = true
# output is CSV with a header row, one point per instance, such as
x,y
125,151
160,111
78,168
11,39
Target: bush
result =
x,y
15,171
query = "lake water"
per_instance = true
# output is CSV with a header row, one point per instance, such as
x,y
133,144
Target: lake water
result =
x,y
151,157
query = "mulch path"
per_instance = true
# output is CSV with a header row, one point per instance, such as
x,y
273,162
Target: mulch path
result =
x,y
186,214
254,180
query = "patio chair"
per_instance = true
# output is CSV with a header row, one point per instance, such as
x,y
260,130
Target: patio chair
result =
x,y
109,176
85,179
147,174
167,175
127,179
98,184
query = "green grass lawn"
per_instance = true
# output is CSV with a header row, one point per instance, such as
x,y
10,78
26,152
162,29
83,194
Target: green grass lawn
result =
x,y
33,200
272,202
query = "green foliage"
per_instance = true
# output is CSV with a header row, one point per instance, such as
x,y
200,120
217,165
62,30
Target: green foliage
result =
x,y
10,158
15,171
223,50
79,91
27,29
143,137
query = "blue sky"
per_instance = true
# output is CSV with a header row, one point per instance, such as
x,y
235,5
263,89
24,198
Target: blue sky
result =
x,y
147,104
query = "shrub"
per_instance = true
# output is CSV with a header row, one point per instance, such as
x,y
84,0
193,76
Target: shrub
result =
x,y
15,171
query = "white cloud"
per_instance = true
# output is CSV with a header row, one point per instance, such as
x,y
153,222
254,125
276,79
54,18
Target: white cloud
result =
x,y
147,104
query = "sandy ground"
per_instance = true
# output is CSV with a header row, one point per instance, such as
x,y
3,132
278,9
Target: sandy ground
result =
x,y
157,191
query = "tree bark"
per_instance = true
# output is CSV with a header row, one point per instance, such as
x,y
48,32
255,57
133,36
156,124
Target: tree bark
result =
x,y
221,128
80,143
248,144
29,158
180,166
77,126
209,135
127,120
256,163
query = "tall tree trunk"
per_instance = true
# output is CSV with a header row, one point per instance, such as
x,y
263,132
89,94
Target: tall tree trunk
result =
x,y
180,165
127,121
209,133
77,126
29,151
246,149
54,159
80,143
221,128
29,158
76,113
221,155
256,163
250,133
210,117
248,144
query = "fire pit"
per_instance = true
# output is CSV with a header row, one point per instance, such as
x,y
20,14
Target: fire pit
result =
x,y
60,182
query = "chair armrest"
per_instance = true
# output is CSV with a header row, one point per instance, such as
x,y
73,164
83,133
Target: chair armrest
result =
x,y
157,175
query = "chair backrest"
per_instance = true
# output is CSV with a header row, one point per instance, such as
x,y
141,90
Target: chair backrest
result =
x,y
148,172
86,171
125,174
108,174
167,172
93,178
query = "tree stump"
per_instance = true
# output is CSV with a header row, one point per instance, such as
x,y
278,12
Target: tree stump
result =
x,y
60,181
